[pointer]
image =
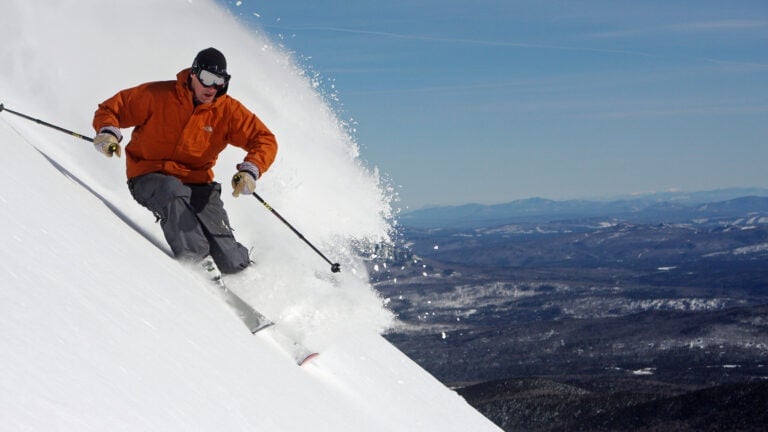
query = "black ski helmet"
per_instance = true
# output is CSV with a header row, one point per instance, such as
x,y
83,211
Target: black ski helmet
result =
x,y
213,61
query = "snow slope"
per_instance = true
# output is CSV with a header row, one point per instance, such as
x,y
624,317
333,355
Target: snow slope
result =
x,y
102,330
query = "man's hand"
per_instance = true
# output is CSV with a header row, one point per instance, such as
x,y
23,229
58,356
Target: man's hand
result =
x,y
243,183
107,144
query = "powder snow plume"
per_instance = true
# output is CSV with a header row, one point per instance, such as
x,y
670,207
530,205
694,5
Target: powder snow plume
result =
x,y
62,57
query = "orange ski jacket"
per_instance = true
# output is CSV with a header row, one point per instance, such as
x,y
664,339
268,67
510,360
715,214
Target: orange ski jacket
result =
x,y
173,136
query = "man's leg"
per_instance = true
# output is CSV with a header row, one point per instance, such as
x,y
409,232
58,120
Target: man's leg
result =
x,y
230,256
169,199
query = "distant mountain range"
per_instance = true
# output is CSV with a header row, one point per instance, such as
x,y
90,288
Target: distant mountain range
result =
x,y
635,313
669,206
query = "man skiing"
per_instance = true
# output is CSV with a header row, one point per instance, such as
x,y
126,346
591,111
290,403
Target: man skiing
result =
x,y
180,127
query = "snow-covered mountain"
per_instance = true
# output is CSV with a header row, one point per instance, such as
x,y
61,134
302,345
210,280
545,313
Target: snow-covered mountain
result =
x,y
102,330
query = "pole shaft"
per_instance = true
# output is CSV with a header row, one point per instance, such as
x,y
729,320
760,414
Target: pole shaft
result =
x,y
38,121
334,266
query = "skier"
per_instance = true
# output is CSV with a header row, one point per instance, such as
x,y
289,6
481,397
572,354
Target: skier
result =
x,y
180,127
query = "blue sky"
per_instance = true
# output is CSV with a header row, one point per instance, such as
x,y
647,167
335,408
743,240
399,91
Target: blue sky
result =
x,y
491,101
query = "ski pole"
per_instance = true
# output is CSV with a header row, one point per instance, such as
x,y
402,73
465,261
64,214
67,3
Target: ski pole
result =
x,y
335,267
112,148
60,129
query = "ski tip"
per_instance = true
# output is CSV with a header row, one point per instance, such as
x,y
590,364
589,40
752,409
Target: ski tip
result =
x,y
308,359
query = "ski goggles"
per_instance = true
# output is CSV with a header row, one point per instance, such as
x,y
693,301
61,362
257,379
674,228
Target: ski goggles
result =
x,y
210,79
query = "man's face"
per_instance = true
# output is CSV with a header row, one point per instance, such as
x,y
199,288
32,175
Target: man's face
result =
x,y
202,94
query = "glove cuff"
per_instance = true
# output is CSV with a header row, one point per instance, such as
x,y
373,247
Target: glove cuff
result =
x,y
112,131
249,168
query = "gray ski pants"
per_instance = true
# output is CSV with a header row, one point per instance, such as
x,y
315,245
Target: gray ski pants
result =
x,y
193,219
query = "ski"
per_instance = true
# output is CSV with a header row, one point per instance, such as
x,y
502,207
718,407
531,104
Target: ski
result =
x,y
301,354
255,321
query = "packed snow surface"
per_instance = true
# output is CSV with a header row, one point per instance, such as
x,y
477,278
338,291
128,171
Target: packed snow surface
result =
x,y
103,330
